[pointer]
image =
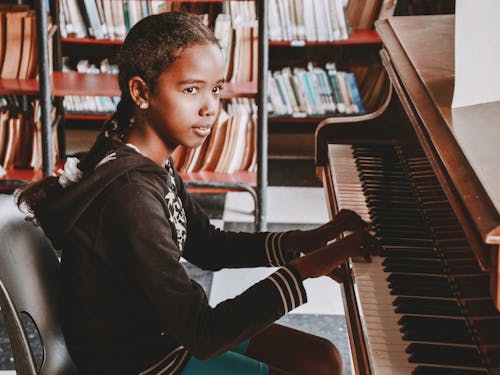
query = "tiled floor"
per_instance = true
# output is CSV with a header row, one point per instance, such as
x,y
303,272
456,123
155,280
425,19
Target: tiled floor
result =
x,y
295,201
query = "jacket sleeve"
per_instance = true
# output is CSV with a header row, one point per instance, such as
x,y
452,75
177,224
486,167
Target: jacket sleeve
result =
x,y
212,249
139,227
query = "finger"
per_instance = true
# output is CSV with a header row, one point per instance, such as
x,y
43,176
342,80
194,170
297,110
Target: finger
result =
x,y
371,244
366,255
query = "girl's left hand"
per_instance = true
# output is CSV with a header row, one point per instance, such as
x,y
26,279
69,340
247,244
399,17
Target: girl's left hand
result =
x,y
310,240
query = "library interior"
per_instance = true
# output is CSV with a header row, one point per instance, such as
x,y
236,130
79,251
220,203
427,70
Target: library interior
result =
x,y
373,122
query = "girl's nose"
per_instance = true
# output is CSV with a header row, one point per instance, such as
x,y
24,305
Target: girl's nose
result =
x,y
210,106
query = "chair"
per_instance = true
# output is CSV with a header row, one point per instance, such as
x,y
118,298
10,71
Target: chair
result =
x,y
29,283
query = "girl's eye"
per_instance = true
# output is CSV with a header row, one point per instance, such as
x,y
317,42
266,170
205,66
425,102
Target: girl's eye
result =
x,y
191,90
217,89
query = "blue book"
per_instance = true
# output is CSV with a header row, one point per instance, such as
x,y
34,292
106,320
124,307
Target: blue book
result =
x,y
352,85
311,93
339,99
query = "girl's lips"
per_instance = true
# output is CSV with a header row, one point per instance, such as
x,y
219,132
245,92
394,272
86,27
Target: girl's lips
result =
x,y
202,131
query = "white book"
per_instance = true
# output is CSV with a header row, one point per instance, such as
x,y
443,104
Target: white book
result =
x,y
341,19
328,20
332,11
275,97
118,18
286,73
76,19
282,20
94,19
318,21
309,22
274,24
108,18
102,18
134,12
299,11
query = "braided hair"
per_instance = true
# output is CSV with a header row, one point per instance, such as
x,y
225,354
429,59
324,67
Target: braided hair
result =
x,y
149,48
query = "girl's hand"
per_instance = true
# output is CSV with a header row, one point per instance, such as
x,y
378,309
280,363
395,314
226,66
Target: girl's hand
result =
x,y
326,260
310,240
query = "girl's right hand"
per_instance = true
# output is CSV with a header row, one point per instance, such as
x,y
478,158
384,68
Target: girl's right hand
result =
x,y
326,259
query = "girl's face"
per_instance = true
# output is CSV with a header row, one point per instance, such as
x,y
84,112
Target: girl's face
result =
x,y
185,102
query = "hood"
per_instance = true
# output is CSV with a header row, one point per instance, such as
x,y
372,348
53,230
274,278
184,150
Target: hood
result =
x,y
58,215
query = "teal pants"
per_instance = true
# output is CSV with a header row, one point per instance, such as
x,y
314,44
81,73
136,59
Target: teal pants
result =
x,y
232,362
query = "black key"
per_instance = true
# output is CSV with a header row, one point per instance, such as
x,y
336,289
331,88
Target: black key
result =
x,y
430,370
444,355
412,265
427,306
408,252
434,329
487,330
419,280
410,242
482,307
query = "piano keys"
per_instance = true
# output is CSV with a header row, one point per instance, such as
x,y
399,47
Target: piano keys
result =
x,y
424,303
430,303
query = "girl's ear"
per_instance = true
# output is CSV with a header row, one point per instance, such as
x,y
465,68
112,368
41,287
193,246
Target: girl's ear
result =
x,y
139,92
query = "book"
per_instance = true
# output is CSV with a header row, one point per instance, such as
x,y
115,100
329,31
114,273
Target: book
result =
x,y
236,153
332,75
96,25
4,123
2,38
349,109
13,44
354,93
120,28
216,141
229,139
76,19
29,29
24,149
251,146
277,103
13,136
32,70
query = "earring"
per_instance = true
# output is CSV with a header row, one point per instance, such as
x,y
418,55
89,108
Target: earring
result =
x,y
143,105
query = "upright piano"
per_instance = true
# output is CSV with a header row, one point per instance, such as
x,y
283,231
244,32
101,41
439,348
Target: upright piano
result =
x,y
427,177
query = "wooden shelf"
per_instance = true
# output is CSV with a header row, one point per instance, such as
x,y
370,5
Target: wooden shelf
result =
x,y
74,40
242,177
357,37
17,177
73,83
305,120
87,116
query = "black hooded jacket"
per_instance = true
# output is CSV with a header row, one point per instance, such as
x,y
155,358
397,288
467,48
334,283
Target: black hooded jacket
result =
x,y
127,300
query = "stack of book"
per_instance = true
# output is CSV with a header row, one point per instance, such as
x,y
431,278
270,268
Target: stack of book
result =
x,y
90,104
237,32
307,20
108,19
230,147
21,136
301,92
18,48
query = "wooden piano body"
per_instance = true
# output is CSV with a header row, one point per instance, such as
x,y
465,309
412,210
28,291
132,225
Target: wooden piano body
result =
x,y
460,146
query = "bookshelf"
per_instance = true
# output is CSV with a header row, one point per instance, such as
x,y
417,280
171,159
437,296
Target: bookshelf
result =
x,y
59,84
351,50
73,83
16,177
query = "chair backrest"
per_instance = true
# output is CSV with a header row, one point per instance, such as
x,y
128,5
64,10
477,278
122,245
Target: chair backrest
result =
x,y
30,283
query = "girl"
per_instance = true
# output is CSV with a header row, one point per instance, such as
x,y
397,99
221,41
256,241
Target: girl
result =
x,y
123,218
